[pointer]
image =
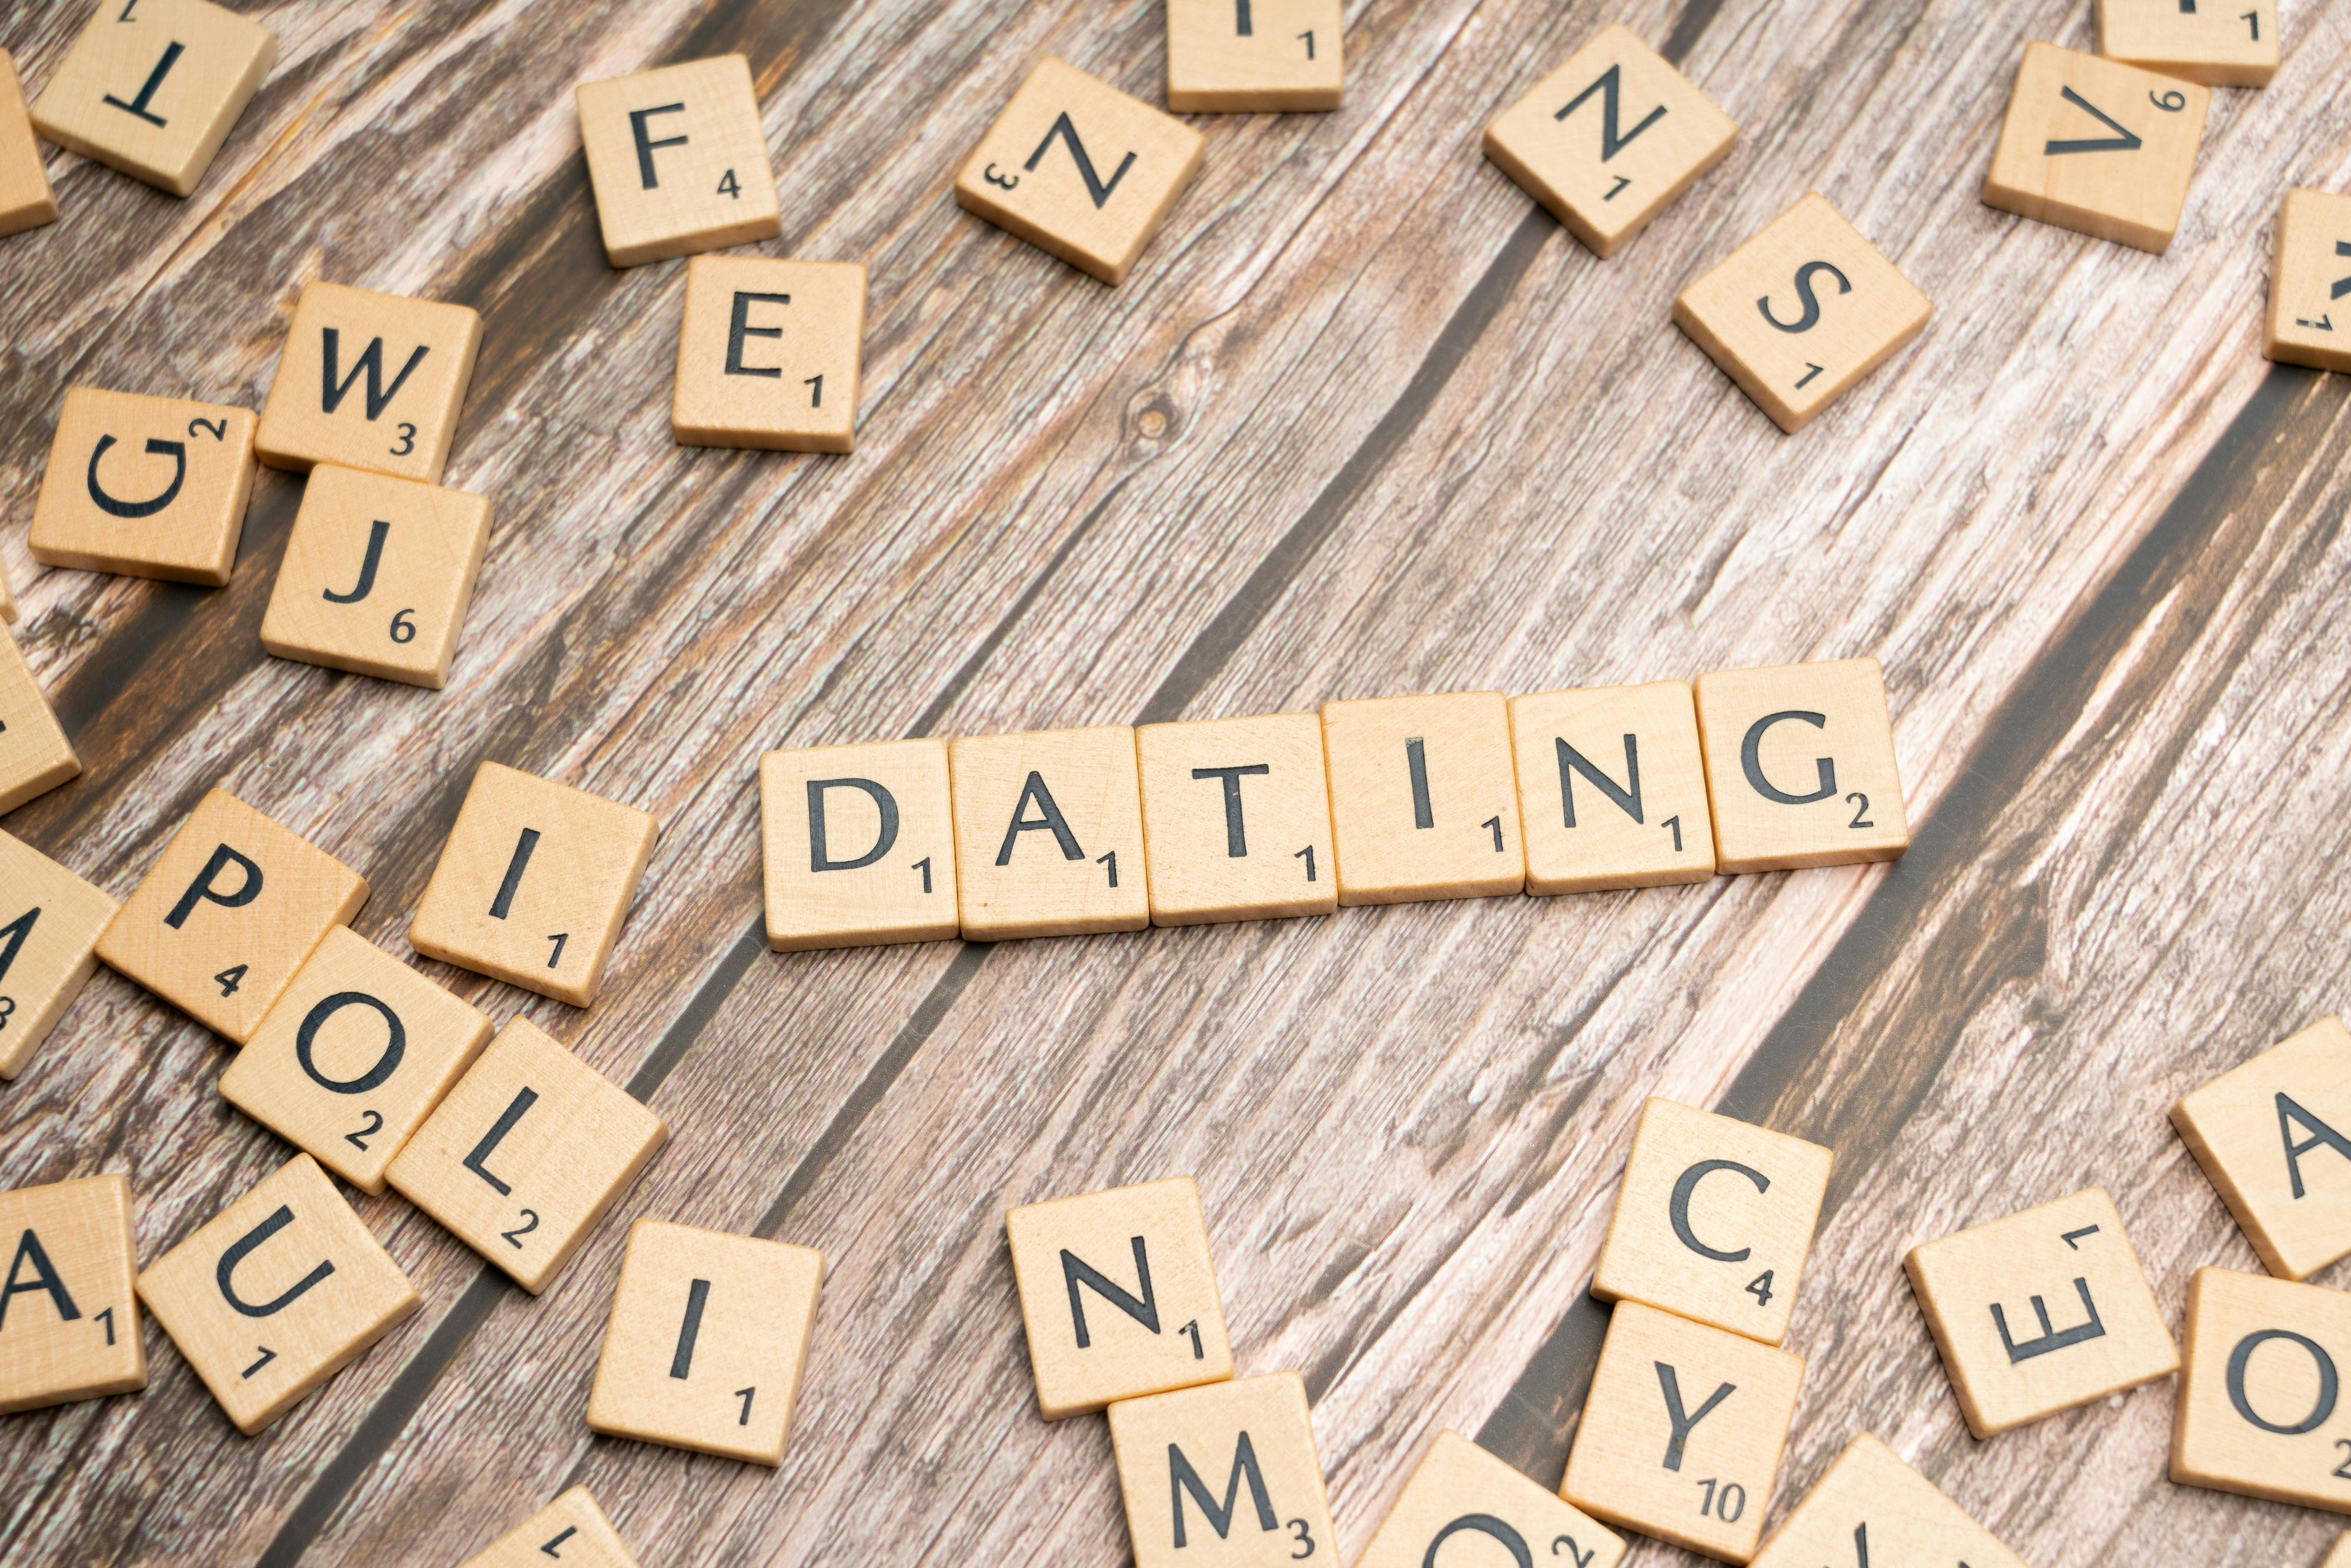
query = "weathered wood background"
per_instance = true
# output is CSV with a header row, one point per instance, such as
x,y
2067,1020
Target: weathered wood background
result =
x,y
1363,421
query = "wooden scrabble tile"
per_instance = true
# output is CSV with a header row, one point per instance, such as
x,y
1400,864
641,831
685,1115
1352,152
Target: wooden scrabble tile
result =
x,y
2217,45
770,353
679,160
1424,800
152,88
1244,55
526,1153
1801,312
49,925
2274,1138
2310,282
235,905
1713,1221
1800,766
1683,1431
7,602
281,1291
571,1530
2261,1409
1236,818
1049,833
2097,146
1611,788
69,1318
859,844
145,487
1461,1491
1223,1476
25,200
1609,139
707,1336
377,576
534,883
355,1055
1118,1295
370,381
2341,1556
2041,1312
1873,1507
35,755
1079,170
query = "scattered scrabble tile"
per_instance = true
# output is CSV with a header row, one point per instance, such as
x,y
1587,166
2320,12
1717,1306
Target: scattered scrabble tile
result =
x,y
49,925
377,576
1611,788
534,883
526,1153
2218,45
1461,1490
570,1530
1873,1507
1236,818
2310,282
859,844
152,87
770,353
706,1338
1714,1220
1683,1431
1803,311
1049,833
1118,1295
2275,1136
281,1291
1424,801
35,755
2096,146
146,486
25,200
2041,1312
7,602
232,909
1800,766
2261,1409
1225,1474
1079,170
679,160
355,1055
69,1318
1243,56
2341,1556
370,381
1609,139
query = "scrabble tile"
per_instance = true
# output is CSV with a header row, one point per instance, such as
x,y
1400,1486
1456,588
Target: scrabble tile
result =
x,y
2274,1138
1683,1431
1118,1295
1611,788
279,1292
571,1530
1713,1221
2341,1556
1801,312
145,487
25,200
707,1336
7,602
1461,1491
355,1055
49,925
2096,146
152,88
2217,45
1800,766
235,905
679,160
859,844
2260,1394
69,1318
526,1153
1609,139
2310,282
377,576
1236,818
534,883
2041,1312
770,353
370,381
1424,800
1049,833
1079,170
1873,1507
1223,1476
35,755
1243,56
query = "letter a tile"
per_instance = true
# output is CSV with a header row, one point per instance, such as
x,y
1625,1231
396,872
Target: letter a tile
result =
x,y
1462,1492
1873,1507
69,1320
153,88
571,1530
2261,1411
1800,766
370,381
2096,146
2275,1136
678,158
1423,798
2310,282
50,921
859,843
25,200
145,487
1222,1477
1246,56
1049,833
1611,788
2220,46
1236,818
35,755
770,353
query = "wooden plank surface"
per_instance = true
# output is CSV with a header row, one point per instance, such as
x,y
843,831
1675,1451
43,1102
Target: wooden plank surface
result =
x,y
1363,421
